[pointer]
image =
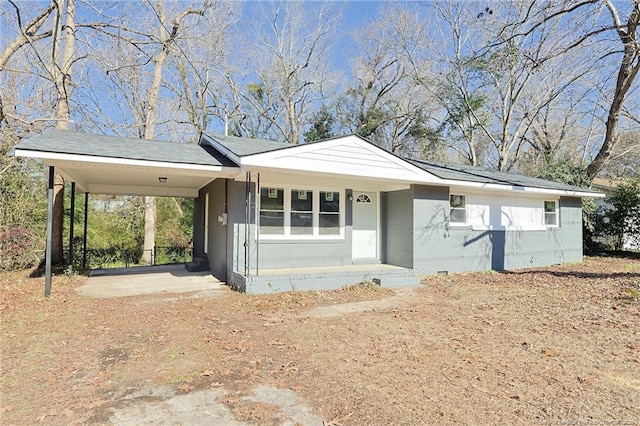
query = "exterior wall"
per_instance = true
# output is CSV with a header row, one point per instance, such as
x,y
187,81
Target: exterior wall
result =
x,y
397,228
415,235
238,227
217,251
439,247
217,238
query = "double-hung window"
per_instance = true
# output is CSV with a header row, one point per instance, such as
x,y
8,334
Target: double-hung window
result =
x,y
272,211
300,213
329,214
551,213
457,209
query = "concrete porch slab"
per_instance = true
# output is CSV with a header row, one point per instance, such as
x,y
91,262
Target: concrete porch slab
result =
x,y
146,280
323,278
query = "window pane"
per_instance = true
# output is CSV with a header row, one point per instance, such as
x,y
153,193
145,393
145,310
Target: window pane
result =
x,y
549,206
329,202
456,201
550,219
301,200
329,224
458,216
301,223
271,222
271,199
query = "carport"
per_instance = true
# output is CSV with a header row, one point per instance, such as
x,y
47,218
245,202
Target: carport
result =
x,y
111,165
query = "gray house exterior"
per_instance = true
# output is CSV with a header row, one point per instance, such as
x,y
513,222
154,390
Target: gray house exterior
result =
x,y
270,216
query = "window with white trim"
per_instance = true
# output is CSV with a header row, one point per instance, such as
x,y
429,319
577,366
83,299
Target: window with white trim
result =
x,y
329,215
551,213
457,209
300,213
272,211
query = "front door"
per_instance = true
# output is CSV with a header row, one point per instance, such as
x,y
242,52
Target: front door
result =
x,y
365,225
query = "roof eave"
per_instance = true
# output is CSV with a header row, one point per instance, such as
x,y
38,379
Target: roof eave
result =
x,y
52,157
523,189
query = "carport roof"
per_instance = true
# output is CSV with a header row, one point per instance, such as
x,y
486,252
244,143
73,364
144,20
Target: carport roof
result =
x,y
77,143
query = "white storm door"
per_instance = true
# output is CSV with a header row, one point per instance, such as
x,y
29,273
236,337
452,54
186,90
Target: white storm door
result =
x,y
365,225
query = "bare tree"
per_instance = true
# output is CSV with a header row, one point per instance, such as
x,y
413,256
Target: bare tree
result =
x,y
28,33
135,71
628,33
291,67
590,28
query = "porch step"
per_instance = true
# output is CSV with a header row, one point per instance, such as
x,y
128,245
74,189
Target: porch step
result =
x,y
199,264
322,280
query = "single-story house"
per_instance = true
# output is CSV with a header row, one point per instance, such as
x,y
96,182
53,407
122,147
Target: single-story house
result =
x,y
271,216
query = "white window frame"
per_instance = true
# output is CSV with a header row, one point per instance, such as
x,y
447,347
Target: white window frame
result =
x,y
466,212
555,213
316,213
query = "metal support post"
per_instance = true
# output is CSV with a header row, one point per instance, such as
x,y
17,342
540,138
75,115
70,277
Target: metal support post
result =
x,y
47,255
72,220
84,235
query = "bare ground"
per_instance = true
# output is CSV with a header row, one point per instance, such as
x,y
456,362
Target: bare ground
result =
x,y
557,345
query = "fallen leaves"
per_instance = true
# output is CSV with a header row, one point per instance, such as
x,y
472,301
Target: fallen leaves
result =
x,y
500,348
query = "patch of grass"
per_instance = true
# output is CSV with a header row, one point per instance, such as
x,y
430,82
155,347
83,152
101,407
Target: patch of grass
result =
x,y
366,285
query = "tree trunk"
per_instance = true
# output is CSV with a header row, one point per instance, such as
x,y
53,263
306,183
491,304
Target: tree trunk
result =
x,y
61,74
629,67
149,133
149,229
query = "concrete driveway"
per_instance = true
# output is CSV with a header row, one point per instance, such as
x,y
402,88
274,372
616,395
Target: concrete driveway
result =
x,y
146,280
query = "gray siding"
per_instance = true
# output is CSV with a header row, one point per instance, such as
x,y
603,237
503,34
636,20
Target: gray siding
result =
x,y
217,252
437,247
397,228
237,228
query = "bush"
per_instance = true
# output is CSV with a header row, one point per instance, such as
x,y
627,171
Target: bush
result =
x,y
18,248
620,215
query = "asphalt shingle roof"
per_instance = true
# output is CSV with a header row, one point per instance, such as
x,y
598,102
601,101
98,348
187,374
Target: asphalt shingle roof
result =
x,y
79,143
481,175
247,146
69,142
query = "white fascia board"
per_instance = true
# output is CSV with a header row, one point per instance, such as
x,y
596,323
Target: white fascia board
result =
x,y
223,149
54,157
525,190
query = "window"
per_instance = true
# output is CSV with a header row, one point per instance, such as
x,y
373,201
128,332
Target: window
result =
x,y
551,213
458,209
363,198
329,216
300,213
272,211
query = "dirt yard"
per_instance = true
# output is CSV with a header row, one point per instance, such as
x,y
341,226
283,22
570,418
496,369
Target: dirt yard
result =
x,y
547,346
